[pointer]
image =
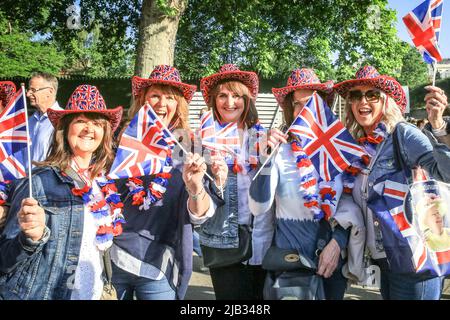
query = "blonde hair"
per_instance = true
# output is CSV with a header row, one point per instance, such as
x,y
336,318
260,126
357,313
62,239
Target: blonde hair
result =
x,y
180,119
391,116
250,114
60,154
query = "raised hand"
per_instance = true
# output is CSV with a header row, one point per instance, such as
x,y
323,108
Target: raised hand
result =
x,y
436,102
193,171
219,169
31,219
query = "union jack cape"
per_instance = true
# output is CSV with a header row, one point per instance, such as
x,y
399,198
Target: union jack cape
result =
x,y
325,140
144,146
13,139
423,24
403,240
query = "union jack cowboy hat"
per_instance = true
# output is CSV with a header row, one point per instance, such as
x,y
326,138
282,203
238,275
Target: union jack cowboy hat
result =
x,y
165,75
303,78
229,72
369,76
86,98
7,91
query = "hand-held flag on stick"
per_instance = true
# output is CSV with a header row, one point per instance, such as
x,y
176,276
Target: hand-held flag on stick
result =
x,y
144,146
220,137
423,24
325,140
13,139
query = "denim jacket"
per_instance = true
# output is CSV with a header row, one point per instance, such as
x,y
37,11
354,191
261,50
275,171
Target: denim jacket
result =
x,y
44,269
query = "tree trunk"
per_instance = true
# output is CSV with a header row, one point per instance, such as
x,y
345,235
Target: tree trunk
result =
x,y
157,35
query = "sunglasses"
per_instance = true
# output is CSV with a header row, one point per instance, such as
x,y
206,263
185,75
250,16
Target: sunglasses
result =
x,y
370,95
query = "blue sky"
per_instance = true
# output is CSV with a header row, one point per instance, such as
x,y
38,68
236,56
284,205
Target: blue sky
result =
x,y
404,6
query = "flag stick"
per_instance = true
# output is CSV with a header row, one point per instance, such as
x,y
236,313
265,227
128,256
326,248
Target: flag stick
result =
x,y
28,140
434,73
221,186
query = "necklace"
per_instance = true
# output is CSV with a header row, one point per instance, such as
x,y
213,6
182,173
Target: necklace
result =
x,y
156,188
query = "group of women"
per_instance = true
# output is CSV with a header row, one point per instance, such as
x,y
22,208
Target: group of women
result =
x,y
54,241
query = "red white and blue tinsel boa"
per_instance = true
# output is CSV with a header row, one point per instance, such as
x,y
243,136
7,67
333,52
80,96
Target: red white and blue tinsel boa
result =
x,y
369,143
107,211
319,196
156,188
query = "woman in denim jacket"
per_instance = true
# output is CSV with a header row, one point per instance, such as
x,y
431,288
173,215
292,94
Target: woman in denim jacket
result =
x,y
374,108
296,224
52,244
230,95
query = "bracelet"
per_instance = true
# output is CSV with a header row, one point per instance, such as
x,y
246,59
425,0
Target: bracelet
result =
x,y
194,197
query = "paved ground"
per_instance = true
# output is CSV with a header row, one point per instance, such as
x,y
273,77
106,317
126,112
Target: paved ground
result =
x,y
200,287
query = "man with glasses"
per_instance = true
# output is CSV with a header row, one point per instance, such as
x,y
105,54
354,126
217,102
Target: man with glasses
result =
x,y
41,92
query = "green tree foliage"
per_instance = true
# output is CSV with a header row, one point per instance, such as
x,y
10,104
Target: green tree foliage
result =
x,y
414,69
272,37
19,55
99,39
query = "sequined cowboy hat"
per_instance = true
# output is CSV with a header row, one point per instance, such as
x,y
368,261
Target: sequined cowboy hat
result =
x,y
86,98
165,75
369,76
7,91
229,72
303,79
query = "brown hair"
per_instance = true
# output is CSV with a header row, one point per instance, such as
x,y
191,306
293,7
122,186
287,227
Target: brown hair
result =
x,y
288,108
250,114
60,154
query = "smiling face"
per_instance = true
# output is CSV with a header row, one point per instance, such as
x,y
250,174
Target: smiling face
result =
x,y
84,136
163,103
367,106
230,105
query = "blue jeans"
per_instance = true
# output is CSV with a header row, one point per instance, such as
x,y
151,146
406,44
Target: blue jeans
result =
x,y
335,285
401,286
129,285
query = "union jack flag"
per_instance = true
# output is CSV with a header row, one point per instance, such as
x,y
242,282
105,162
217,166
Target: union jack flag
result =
x,y
219,137
13,139
324,138
402,239
423,24
144,146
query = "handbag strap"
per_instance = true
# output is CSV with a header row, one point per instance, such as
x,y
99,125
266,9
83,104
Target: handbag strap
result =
x,y
399,160
107,264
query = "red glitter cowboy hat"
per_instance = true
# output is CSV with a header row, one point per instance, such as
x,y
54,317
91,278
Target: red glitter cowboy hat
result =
x,y
165,75
7,91
368,75
230,72
86,98
303,79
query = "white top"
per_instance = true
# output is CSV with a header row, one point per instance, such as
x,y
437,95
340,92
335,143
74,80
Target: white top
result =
x,y
88,284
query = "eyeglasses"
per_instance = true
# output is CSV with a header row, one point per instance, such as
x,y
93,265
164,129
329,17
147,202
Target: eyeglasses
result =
x,y
33,90
371,95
